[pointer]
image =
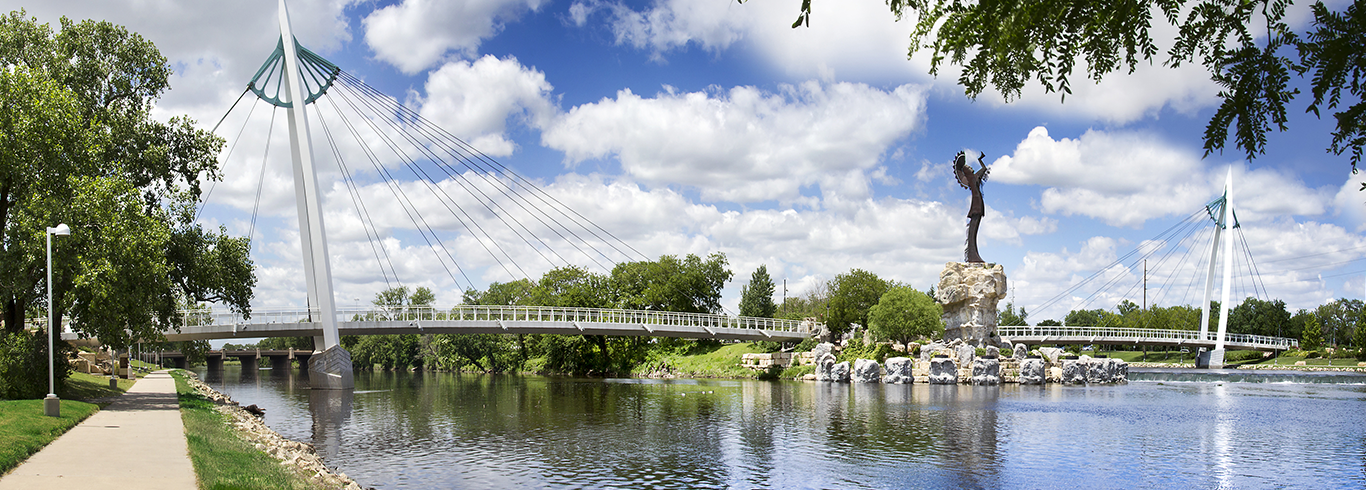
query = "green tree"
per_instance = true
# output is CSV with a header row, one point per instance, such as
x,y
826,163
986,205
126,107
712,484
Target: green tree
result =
x,y
851,296
1336,319
1245,46
78,145
1259,317
904,314
756,298
1050,323
1313,335
689,285
1010,317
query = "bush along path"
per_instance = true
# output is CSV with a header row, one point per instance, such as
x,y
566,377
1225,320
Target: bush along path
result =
x,y
231,448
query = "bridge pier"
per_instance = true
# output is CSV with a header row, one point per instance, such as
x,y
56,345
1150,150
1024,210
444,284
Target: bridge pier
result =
x,y
215,363
178,362
280,363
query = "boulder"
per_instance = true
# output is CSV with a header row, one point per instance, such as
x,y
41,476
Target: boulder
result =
x,y
993,352
1073,372
943,371
1007,347
840,372
899,371
823,348
1097,371
986,371
927,352
866,371
1021,351
969,293
824,364
1031,372
965,353
1119,370
1051,353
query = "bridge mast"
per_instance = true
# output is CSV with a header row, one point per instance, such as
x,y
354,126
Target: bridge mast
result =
x,y
1215,358
330,373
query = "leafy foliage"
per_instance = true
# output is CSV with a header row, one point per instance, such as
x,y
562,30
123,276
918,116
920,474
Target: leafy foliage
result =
x,y
1244,45
904,315
23,365
1313,334
852,295
756,298
1011,317
78,145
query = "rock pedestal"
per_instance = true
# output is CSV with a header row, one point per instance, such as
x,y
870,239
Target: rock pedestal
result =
x,y
943,371
969,293
986,371
1032,371
866,371
840,372
899,371
825,364
1073,372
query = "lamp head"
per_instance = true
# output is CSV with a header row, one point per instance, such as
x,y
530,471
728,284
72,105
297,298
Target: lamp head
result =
x,y
60,230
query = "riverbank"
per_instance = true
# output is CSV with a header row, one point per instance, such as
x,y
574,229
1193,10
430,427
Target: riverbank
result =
x,y
231,448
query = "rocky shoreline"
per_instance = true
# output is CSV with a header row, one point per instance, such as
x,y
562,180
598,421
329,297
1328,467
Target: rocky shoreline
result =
x,y
294,454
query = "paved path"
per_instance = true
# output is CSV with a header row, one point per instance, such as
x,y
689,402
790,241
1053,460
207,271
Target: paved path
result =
x,y
137,441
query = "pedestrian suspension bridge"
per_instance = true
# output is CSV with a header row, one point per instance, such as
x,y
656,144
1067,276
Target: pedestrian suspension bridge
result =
x,y
376,142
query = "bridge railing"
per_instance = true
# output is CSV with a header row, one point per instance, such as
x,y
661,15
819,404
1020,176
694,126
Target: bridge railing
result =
x,y
1141,333
498,313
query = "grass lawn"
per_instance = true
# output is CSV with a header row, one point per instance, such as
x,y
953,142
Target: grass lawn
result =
x,y
24,429
82,386
718,361
221,459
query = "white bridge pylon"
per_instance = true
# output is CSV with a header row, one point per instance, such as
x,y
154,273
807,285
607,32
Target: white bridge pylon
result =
x,y
1215,359
334,365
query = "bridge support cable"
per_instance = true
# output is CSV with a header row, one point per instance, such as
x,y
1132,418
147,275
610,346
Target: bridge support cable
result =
x,y
390,180
1119,261
214,185
1184,230
362,213
1188,244
406,204
433,185
261,180
471,159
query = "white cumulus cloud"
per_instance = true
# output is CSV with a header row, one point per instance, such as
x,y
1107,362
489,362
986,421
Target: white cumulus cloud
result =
x,y
745,144
416,34
475,100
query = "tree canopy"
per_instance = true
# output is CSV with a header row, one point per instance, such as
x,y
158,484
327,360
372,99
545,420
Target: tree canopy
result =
x,y
851,296
1248,48
78,146
756,298
904,314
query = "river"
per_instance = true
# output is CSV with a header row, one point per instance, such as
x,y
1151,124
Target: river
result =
x,y
1165,429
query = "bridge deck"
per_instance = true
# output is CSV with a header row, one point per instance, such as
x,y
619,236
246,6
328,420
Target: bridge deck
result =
x,y
1139,336
204,325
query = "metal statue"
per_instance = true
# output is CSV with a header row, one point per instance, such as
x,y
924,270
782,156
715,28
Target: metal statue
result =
x,y
972,181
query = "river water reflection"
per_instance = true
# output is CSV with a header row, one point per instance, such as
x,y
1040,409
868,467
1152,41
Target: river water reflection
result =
x,y
1166,429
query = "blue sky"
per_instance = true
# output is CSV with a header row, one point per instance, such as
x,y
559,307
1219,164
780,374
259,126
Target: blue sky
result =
x,y
713,126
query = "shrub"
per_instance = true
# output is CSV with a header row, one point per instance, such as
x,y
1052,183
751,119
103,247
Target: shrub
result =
x,y
1242,355
768,346
806,345
23,365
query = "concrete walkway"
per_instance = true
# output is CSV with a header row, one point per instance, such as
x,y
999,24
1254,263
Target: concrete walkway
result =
x,y
137,441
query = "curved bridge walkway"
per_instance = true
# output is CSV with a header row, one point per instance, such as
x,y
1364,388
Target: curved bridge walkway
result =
x,y
1139,336
206,324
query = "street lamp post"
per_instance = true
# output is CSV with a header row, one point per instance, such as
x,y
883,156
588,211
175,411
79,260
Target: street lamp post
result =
x,y
52,406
